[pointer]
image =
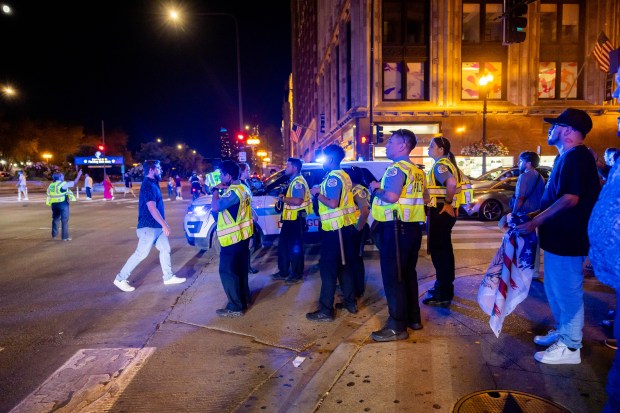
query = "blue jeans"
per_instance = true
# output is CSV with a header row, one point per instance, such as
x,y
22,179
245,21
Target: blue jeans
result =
x,y
60,213
613,378
147,237
88,193
564,289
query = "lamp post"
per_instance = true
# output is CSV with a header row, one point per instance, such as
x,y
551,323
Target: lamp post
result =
x,y
484,82
175,16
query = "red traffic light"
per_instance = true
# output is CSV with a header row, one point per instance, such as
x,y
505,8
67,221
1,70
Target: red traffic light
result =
x,y
101,147
240,136
364,139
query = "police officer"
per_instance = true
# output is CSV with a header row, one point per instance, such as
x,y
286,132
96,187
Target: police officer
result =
x,y
448,189
361,198
296,205
234,229
58,196
398,207
337,213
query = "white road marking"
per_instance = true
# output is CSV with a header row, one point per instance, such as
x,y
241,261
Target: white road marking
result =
x,y
90,381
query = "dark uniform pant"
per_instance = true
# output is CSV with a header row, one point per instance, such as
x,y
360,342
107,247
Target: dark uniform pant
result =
x,y
359,270
442,254
331,269
234,275
60,213
401,296
291,248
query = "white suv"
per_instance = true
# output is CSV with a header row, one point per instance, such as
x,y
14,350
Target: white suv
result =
x,y
200,223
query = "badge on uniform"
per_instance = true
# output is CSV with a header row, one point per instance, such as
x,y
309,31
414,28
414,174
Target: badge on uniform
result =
x,y
331,182
227,194
391,171
442,169
298,185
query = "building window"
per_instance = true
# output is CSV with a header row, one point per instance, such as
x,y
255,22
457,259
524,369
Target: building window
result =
x,y
561,49
482,51
405,49
470,73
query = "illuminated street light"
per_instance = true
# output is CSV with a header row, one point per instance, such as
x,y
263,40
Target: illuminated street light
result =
x,y
253,141
175,16
261,153
179,146
6,9
47,157
267,159
484,82
158,140
9,91
194,151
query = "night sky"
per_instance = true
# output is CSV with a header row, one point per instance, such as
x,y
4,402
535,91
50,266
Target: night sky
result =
x,y
81,62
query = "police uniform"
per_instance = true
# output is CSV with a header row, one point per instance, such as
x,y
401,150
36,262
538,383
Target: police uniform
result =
x,y
407,180
335,223
234,229
291,244
361,198
58,196
440,227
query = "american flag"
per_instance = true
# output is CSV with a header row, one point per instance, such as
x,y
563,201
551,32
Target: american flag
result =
x,y
295,132
601,52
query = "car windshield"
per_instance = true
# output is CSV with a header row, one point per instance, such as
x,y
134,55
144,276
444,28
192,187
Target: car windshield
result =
x,y
493,175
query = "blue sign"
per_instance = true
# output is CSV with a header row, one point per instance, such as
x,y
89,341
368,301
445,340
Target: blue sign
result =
x,y
100,160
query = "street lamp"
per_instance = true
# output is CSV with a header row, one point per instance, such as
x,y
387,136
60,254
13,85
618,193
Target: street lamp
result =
x,y
9,91
484,82
176,17
47,157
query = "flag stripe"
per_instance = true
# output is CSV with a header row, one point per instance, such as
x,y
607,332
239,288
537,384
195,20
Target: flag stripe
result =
x,y
601,52
295,132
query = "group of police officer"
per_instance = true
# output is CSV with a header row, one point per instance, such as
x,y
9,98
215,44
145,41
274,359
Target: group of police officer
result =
x,y
398,207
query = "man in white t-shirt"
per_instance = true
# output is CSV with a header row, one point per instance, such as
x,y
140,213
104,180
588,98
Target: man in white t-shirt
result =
x,y
21,186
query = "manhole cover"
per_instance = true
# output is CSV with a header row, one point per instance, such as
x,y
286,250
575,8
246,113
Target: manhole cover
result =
x,y
506,401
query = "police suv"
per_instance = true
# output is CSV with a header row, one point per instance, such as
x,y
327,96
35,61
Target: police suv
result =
x,y
199,223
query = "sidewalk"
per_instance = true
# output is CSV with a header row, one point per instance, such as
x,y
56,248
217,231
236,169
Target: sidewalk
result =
x,y
205,363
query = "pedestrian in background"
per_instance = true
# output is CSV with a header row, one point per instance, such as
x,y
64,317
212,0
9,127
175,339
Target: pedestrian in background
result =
x,y
22,188
398,207
152,229
128,185
296,206
108,188
177,182
234,229
244,177
361,198
337,213
171,188
58,197
562,224
88,186
448,188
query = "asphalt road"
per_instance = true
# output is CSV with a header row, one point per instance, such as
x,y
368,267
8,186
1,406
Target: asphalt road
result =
x,y
59,311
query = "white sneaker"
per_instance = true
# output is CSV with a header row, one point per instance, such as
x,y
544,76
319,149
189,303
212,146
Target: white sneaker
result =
x,y
174,280
124,286
551,337
558,353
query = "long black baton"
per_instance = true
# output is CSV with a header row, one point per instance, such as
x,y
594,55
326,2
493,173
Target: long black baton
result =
x,y
397,239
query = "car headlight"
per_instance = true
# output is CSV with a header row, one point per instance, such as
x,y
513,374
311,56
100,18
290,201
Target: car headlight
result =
x,y
200,210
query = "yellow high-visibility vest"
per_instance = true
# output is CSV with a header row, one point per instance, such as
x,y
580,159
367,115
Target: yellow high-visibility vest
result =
x,y
344,214
290,211
231,231
464,194
410,204
54,195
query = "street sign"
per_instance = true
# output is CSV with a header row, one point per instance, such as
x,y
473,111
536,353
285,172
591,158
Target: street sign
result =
x,y
242,157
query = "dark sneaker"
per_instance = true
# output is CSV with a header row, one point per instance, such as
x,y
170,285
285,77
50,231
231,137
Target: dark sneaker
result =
x,y
293,280
225,312
279,276
415,326
319,316
436,301
387,334
350,308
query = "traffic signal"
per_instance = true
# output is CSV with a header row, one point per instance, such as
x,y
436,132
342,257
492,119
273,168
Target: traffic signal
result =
x,y
379,133
101,148
240,137
515,21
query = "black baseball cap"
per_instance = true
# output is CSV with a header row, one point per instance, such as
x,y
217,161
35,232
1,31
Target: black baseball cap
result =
x,y
575,118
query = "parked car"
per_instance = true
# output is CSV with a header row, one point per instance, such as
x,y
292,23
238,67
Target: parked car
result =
x,y
199,223
493,190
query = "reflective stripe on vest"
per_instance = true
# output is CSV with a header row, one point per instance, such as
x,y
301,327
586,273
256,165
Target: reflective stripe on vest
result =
x,y
344,214
231,231
463,193
54,195
289,213
410,204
